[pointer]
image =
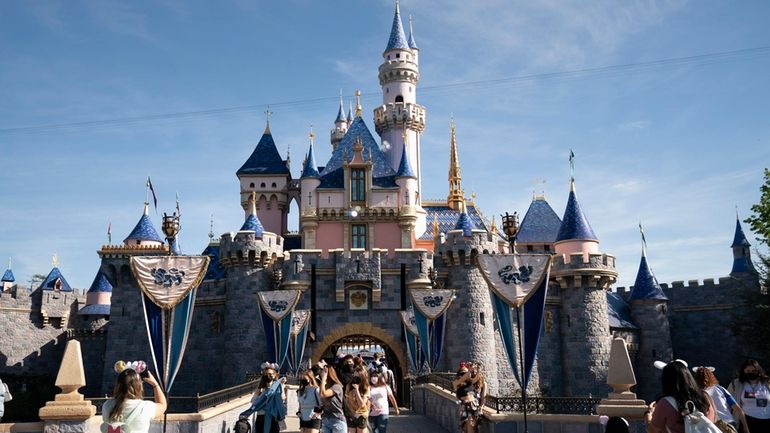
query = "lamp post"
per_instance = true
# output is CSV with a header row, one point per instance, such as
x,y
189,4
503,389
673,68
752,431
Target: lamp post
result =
x,y
511,228
170,229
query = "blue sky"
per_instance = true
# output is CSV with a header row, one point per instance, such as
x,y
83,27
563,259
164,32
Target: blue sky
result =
x,y
677,145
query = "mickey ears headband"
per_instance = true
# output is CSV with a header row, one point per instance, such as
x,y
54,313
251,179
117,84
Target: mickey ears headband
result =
x,y
137,366
660,364
266,365
695,369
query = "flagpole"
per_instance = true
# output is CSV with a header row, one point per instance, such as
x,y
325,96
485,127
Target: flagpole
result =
x,y
523,378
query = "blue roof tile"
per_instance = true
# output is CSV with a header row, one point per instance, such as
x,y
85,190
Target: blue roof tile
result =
x,y
742,264
265,159
95,310
143,231
447,219
50,281
333,176
465,224
253,224
8,276
100,284
310,170
340,114
646,285
412,43
739,239
397,38
540,223
574,225
619,313
215,271
405,168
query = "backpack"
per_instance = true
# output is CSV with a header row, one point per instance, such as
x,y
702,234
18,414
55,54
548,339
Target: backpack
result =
x,y
695,421
119,428
242,426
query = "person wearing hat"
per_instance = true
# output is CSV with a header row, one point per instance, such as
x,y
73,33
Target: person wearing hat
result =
x,y
724,403
127,408
679,388
268,399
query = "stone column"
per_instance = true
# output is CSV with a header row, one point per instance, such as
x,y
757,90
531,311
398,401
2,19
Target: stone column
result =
x,y
69,412
621,401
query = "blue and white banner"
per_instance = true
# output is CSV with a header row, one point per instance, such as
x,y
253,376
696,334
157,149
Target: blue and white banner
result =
x,y
412,343
518,283
168,286
429,308
277,307
300,327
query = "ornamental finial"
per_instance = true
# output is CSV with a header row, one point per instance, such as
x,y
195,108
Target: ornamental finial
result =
x,y
359,109
55,260
311,135
267,120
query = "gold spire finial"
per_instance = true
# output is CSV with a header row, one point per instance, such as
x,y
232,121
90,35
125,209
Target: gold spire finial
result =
x,y
436,231
55,260
360,109
311,135
494,225
267,120
456,195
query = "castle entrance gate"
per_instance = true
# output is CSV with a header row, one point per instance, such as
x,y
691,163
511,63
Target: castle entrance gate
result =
x,y
366,339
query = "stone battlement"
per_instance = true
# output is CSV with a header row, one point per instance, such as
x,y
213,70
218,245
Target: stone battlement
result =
x,y
244,249
584,270
399,114
456,249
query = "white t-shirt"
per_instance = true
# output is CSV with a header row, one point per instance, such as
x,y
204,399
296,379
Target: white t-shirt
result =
x,y
379,396
755,400
140,422
721,402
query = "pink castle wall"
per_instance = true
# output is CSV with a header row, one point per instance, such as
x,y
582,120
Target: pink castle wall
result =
x,y
272,218
387,236
329,236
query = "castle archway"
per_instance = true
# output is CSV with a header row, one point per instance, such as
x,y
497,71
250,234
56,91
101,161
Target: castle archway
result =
x,y
363,334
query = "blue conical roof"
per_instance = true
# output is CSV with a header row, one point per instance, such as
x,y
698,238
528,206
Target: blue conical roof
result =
x,y
265,159
540,223
310,169
739,239
574,224
397,38
405,168
646,285
350,114
412,43
100,284
8,277
50,281
340,114
144,230
465,223
253,224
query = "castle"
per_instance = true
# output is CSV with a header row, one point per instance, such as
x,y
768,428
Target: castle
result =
x,y
366,237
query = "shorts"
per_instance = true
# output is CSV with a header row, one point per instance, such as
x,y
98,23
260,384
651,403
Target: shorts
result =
x,y
311,423
357,422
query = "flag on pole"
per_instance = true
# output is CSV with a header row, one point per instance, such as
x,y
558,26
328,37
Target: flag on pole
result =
x,y
644,241
178,212
152,190
109,232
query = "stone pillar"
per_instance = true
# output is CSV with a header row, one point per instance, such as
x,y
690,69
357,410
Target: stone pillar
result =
x,y
651,316
620,376
69,411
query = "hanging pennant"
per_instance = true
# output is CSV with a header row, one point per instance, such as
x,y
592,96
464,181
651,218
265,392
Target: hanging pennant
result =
x,y
168,286
513,277
410,332
432,303
278,303
277,307
429,307
407,318
300,328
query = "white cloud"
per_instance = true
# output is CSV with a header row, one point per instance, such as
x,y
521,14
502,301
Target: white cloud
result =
x,y
633,125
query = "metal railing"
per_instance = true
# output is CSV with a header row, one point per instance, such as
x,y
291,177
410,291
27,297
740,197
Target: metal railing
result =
x,y
535,404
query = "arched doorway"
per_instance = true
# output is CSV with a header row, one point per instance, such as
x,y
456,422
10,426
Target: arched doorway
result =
x,y
364,337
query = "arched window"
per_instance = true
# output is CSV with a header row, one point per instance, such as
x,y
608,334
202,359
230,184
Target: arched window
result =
x,y
262,185
251,185
399,98
274,185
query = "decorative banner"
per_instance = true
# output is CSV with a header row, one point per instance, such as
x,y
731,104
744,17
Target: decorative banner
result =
x,y
431,303
277,319
278,303
166,280
300,328
514,277
168,286
412,343
430,306
524,290
407,318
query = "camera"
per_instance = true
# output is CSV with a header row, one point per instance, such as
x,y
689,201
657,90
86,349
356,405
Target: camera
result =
x,y
144,374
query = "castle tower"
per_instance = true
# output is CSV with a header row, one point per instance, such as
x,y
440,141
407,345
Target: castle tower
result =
x,y
144,233
583,276
399,114
341,125
649,310
741,252
8,279
470,332
456,197
98,297
310,180
267,174
407,184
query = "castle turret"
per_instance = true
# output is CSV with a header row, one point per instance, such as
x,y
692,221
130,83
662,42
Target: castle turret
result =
x,y
412,44
649,310
144,233
741,252
8,279
399,113
341,125
583,276
407,184
98,297
267,174
309,183
456,197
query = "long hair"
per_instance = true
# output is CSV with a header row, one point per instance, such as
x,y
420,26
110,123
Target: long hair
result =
x,y
128,386
705,377
755,365
311,382
264,383
332,378
679,383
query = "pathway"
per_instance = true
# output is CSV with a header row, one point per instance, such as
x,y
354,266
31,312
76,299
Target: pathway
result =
x,y
407,422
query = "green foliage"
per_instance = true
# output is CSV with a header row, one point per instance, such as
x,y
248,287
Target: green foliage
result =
x,y
759,221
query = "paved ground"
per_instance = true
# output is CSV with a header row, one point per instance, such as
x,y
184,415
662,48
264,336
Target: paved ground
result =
x,y
407,422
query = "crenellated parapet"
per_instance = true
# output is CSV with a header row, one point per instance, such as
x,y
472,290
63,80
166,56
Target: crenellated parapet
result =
x,y
458,250
579,270
124,251
399,69
399,115
245,249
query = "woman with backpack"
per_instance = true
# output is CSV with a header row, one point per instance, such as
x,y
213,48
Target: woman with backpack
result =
x,y
725,405
126,411
309,404
752,391
680,395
